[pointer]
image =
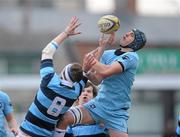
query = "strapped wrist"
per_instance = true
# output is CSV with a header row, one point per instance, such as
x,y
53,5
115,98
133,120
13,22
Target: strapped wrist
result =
x,y
87,73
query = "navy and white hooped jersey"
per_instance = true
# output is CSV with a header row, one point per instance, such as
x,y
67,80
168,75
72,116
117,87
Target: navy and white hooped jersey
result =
x,y
92,130
54,97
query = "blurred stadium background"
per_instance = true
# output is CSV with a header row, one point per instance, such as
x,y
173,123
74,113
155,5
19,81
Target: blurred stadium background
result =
x,y
26,26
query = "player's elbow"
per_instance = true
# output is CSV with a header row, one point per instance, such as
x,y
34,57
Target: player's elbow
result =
x,y
47,52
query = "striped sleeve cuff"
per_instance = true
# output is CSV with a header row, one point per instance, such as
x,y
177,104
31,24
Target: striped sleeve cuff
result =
x,y
54,44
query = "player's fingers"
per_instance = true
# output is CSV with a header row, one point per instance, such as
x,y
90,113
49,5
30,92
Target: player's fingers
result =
x,y
88,57
110,39
71,21
75,26
112,36
89,62
76,33
101,36
74,21
92,62
14,132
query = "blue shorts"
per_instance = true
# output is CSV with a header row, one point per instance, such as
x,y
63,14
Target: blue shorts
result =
x,y
115,120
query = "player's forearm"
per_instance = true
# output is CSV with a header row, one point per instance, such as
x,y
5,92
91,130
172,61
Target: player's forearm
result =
x,y
102,70
11,121
97,53
13,127
60,38
70,30
94,78
97,73
50,49
12,124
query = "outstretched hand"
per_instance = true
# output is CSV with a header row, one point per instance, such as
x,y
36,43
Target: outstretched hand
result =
x,y
71,28
88,62
105,40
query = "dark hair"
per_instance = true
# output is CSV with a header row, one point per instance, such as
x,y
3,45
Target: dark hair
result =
x,y
76,72
90,84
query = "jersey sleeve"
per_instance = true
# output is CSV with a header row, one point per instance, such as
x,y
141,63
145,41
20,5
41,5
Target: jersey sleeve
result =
x,y
8,108
128,61
47,59
46,67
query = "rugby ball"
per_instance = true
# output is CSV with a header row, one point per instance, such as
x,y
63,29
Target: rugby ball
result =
x,y
108,24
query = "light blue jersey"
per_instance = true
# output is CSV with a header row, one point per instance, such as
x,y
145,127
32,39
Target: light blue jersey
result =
x,y
115,90
113,99
54,97
5,109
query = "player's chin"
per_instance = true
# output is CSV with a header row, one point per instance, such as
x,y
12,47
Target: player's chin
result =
x,y
85,101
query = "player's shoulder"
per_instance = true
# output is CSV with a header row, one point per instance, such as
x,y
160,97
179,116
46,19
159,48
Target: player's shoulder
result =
x,y
132,55
3,95
108,53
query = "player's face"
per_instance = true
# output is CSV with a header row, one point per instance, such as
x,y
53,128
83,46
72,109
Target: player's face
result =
x,y
86,95
127,39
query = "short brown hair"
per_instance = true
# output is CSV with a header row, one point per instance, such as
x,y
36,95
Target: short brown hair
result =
x,y
90,84
76,72
72,72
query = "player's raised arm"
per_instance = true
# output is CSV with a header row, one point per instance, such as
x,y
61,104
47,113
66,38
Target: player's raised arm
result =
x,y
107,25
103,43
96,71
88,62
70,30
93,57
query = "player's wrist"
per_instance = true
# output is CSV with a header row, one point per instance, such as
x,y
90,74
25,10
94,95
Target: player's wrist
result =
x,y
66,33
86,73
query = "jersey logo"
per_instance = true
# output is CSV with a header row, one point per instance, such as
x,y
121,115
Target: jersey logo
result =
x,y
92,106
125,57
